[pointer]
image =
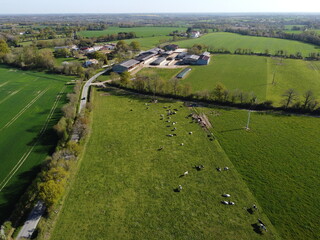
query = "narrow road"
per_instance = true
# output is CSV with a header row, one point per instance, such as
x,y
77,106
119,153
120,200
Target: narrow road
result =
x,y
85,90
32,221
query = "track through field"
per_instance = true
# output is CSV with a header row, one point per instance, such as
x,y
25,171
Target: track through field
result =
x,y
24,109
9,96
25,156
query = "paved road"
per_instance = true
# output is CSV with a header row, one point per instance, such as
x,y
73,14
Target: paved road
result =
x,y
85,90
32,221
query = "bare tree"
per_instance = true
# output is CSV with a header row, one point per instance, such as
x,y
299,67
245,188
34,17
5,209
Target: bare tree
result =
x,y
226,94
308,98
289,97
175,85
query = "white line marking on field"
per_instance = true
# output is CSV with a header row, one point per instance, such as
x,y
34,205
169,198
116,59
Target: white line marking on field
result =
x,y
25,156
2,84
10,95
24,109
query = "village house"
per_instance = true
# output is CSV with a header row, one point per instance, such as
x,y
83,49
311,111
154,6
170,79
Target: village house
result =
x,y
90,62
195,34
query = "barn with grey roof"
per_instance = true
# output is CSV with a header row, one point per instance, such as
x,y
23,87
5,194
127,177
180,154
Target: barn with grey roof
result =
x,y
125,66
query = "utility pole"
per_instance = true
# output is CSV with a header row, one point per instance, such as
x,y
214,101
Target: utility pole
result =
x,y
248,122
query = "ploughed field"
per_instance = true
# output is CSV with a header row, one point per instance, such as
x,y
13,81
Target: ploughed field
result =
x,y
30,105
232,41
126,185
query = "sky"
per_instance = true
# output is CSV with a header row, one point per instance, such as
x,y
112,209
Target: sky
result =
x,y
156,6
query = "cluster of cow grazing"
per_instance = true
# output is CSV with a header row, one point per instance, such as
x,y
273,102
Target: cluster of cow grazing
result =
x,y
169,113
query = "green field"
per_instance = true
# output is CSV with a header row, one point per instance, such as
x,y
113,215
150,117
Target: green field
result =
x,y
279,160
255,74
163,74
149,42
232,41
289,27
29,107
297,32
140,31
124,188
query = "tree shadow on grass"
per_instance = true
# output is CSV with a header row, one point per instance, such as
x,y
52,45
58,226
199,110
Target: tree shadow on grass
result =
x,y
14,190
134,96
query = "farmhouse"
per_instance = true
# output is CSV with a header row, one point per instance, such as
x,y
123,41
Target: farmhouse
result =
x,y
90,62
93,49
195,34
125,66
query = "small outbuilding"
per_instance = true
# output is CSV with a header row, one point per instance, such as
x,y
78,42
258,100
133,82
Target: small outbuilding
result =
x,y
183,73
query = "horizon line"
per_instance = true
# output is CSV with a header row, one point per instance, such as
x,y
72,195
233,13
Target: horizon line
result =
x,y
135,13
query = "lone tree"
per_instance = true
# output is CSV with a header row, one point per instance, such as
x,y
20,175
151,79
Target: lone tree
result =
x,y
289,97
308,99
125,78
135,46
218,92
175,84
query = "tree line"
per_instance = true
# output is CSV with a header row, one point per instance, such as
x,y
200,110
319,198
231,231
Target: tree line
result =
x,y
291,101
306,36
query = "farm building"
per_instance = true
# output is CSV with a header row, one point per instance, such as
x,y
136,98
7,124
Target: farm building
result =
x,y
145,56
90,62
166,54
183,73
204,59
191,59
158,61
125,66
181,55
171,47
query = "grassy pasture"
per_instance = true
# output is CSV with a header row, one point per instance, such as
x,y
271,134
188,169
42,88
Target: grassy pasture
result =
x,y
255,74
140,31
279,160
248,73
163,74
232,41
297,32
149,42
124,187
29,107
